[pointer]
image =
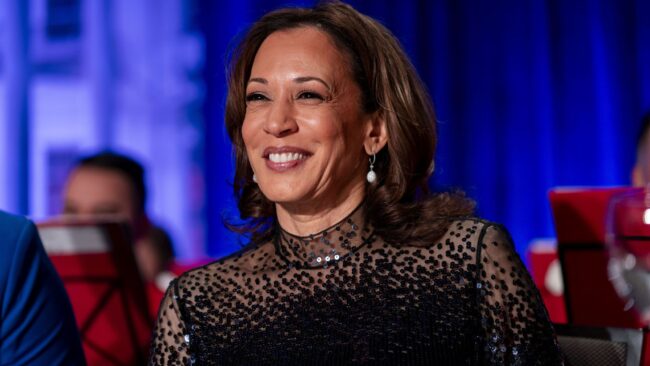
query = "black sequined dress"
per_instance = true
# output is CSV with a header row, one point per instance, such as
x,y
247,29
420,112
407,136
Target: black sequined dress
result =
x,y
344,296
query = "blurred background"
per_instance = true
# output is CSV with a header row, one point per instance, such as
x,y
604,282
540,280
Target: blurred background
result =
x,y
529,95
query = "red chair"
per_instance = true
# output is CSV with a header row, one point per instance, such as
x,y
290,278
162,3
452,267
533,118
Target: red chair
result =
x,y
96,264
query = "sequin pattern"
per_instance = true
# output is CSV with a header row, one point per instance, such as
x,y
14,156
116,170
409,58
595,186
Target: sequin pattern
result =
x,y
465,300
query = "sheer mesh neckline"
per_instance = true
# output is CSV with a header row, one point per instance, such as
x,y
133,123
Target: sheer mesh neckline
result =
x,y
328,246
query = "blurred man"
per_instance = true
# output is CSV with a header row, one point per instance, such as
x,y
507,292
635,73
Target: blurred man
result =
x,y
113,184
641,170
37,326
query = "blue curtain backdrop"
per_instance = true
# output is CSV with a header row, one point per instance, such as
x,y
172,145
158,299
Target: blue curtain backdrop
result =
x,y
529,95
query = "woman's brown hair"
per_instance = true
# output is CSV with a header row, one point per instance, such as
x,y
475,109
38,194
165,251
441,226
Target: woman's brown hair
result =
x,y
398,204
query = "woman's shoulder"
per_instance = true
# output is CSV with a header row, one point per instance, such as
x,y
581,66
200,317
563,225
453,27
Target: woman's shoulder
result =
x,y
472,238
485,243
247,259
474,230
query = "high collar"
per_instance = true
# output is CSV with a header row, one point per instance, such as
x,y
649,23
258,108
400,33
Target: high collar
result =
x,y
328,246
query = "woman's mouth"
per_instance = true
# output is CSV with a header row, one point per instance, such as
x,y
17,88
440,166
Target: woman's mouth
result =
x,y
284,158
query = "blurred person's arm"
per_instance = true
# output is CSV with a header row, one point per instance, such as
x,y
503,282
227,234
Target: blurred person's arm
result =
x,y
37,326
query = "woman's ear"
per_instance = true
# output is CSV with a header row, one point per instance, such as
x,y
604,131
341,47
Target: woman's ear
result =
x,y
376,134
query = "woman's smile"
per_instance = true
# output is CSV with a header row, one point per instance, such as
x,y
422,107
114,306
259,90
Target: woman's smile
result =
x,y
281,159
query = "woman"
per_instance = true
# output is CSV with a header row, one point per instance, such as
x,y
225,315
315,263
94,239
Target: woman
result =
x,y
351,260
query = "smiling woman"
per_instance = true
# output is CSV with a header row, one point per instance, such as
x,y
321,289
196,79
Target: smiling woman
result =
x,y
352,260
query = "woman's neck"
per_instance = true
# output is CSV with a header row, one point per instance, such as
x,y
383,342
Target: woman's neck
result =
x,y
311,217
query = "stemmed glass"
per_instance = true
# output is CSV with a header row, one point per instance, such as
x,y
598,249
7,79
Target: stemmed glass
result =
x,y
628,243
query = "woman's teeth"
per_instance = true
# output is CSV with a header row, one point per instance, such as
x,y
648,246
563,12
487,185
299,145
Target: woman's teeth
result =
x,y
285,157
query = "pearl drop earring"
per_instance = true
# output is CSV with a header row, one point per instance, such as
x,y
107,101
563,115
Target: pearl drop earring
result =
x,y
372,176
254,178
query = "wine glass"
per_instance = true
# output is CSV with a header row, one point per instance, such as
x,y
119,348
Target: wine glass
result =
x,y
628,242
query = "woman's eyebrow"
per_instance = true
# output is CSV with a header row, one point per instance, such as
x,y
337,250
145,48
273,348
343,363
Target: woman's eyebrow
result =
x,y
258,80
304,79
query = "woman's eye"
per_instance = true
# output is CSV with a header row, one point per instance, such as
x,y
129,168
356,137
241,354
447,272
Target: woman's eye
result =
x,y
309,95
254,97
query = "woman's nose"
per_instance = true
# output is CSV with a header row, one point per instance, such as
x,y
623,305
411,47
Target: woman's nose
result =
x,y
281,120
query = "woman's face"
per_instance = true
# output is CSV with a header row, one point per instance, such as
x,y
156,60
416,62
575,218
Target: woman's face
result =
x,y
304,128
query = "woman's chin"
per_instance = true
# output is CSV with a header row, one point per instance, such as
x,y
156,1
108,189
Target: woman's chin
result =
x,y
284,196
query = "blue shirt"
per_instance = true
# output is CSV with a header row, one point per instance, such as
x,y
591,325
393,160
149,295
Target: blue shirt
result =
x,y
37,326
